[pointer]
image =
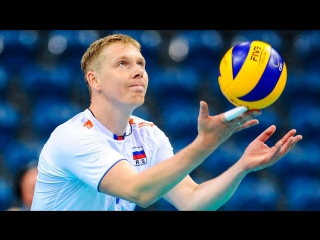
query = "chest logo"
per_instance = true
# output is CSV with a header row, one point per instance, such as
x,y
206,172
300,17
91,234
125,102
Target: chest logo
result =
x,y
139,156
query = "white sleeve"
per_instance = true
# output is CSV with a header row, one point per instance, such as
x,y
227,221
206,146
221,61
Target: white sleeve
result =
x,y
85,155
165,149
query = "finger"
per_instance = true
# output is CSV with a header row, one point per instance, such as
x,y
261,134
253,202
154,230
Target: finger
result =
x,y
294,141
204,110
276,152
288,135
235,112
247,124
266,134
286,147
291,142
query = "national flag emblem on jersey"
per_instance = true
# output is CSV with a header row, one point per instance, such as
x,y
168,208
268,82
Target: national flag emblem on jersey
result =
x,y
139,156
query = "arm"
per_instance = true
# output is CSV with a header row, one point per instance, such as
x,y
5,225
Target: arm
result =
x,y
211,195
148,186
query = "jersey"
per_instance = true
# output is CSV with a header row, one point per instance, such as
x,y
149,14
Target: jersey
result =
x,y
81,151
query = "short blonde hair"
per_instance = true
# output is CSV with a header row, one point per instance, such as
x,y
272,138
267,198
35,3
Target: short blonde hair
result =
x,y
92,58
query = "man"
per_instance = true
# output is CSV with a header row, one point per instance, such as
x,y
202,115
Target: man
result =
x,y
24,186
104,158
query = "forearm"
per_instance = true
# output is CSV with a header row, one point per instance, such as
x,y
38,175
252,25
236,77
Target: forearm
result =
x,y
156,181
212,194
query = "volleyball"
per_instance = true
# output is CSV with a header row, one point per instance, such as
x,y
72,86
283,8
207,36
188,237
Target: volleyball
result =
x,y
252,74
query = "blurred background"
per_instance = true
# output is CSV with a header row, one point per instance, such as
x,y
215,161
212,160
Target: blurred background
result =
x,y
41,86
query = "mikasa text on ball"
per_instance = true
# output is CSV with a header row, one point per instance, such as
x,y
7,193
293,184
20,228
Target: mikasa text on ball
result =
x,y
252,74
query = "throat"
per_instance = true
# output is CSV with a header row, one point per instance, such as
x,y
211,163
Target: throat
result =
x,y
115,136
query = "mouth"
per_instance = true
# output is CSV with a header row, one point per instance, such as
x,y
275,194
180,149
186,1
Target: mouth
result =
x,y
137,87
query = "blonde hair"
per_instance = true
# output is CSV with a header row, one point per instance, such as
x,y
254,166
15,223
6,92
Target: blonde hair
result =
x,y
92,59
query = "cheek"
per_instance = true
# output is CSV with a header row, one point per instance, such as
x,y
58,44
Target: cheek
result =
x,y
147,82
115,91
112,87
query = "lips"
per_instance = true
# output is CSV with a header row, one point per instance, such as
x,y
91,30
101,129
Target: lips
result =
x,y
137,85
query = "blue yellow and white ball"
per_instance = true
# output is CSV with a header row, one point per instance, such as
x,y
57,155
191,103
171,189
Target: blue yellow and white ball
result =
x,y
252,74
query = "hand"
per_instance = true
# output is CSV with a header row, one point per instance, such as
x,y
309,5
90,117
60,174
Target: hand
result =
x,y
258,155
214,130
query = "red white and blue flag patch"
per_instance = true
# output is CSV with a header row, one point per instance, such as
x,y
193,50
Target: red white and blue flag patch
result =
x,y
139,156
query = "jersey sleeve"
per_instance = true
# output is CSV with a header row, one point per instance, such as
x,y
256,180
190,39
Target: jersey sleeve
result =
x,y
165,149
85,156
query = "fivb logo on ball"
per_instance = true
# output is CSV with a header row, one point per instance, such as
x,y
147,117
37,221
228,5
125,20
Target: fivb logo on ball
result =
x,y
258,53
252,74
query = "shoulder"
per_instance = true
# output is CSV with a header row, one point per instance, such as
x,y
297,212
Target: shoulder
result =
x,y
78,129
147,129
143,125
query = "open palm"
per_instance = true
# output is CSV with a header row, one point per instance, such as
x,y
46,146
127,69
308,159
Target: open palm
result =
x,y
259,155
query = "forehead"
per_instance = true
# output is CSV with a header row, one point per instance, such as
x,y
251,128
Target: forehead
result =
x,y
117,50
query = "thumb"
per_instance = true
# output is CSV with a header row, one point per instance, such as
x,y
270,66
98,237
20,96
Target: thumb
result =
x,y
203,112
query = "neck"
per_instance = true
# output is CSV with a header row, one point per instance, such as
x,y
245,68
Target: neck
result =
x,y
115,120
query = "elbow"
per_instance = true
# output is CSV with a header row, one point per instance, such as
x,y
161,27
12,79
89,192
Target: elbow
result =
x,y
144,201
143,204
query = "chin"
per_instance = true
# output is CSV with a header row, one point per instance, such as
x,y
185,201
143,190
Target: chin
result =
x,y
136,102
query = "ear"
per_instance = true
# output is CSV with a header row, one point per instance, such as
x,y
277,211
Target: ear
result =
x,y
93,80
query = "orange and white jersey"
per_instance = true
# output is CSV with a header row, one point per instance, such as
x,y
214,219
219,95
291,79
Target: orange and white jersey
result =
x,y
80,152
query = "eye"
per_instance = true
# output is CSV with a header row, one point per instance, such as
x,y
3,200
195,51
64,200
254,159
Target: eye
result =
x,y
122,63
142,64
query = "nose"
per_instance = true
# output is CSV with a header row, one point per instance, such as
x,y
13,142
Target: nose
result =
x,y
139,71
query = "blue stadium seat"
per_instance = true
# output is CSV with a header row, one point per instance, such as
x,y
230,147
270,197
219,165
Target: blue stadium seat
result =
x,y
270,116
222,158
68,46
136,34
49,112
151,43
272,37
78,92
205,49
6,194
5,78
311,84
216,97
180,118
306,46
303,160
163,205
41,80
303,194
295,82
254,194
174,81
179,143
18,153
303,83
304,115
160,205
151,46
10,119
143,112
18,47
71,42
202,41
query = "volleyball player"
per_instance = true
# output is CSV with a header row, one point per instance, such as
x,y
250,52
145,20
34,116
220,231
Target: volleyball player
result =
x,y
104,158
